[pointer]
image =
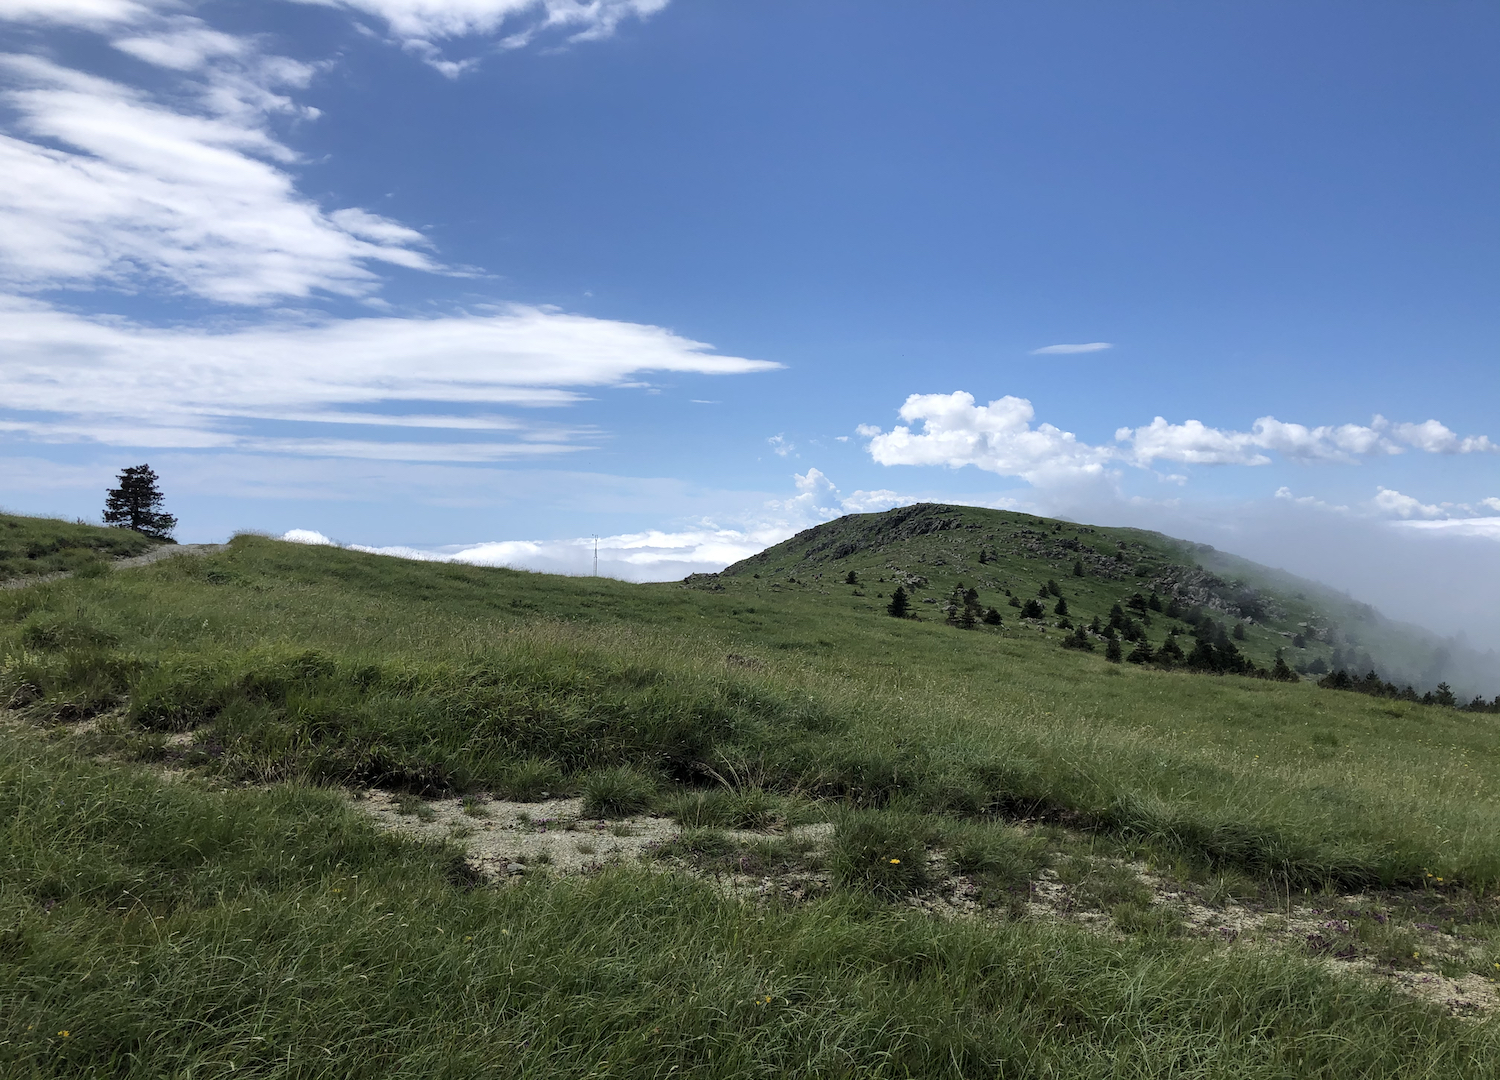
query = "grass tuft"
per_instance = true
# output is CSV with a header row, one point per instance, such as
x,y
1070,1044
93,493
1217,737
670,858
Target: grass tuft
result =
x,y
617,792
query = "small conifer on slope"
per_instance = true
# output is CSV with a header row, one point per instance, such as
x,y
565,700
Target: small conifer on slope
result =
x,y
136,504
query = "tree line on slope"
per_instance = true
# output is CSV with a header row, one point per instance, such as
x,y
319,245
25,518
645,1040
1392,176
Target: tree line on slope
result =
x,y
1213,652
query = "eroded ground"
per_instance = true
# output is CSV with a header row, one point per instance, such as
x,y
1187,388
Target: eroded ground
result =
x,y
1441,944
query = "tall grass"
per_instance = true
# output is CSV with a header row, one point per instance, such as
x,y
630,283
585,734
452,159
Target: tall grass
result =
x,y
152,929
330,666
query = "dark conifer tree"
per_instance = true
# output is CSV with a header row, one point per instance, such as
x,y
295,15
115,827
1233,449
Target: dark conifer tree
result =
x,y
851,578
1052,588
1078,639
1078,568
136,504
1112,651
992,617
1061,608
1170,653
898,605
1299,642
1032,610
1154,603
1239,631
1444,695
1280,672
1142,653
1174,609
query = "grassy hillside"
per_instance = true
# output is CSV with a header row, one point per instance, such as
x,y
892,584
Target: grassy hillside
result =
x,y
238,915
931,549
32,546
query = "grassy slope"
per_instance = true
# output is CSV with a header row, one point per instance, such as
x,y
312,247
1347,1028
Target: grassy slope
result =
x,y
189,926
30,546
1118,563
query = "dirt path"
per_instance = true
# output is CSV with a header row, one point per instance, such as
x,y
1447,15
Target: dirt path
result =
x,y
165,551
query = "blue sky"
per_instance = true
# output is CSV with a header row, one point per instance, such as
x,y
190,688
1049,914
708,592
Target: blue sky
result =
x,y
454,275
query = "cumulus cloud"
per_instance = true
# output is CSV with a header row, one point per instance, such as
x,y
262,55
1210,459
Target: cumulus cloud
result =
x,y
781,446
1389,501
308,536
998,437
1067,350
1194,443
1435,438
1191,443
65,378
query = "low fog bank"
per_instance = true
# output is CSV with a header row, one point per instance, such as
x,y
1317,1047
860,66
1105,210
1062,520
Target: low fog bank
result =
x,y
1441,581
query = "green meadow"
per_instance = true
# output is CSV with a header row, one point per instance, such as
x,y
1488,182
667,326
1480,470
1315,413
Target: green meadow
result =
x,y
185,890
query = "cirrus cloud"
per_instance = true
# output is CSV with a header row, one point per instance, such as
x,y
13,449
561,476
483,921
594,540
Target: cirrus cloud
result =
x,y
112,188
65,378
1068,350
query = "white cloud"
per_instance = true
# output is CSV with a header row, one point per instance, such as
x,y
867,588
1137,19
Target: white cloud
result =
x,y
420,24
91,14
781,446
997,437
66,378
645,556
1067,350
185,44
1486,528
113,188
1284,493
1435,438
1389,501
873,502
308,536
1194,443
655,555
1191,443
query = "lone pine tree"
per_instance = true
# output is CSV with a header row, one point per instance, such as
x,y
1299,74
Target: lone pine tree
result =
x,y
897,607
136,504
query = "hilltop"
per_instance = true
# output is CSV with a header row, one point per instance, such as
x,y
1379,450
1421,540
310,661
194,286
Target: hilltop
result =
x,y
1008,558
